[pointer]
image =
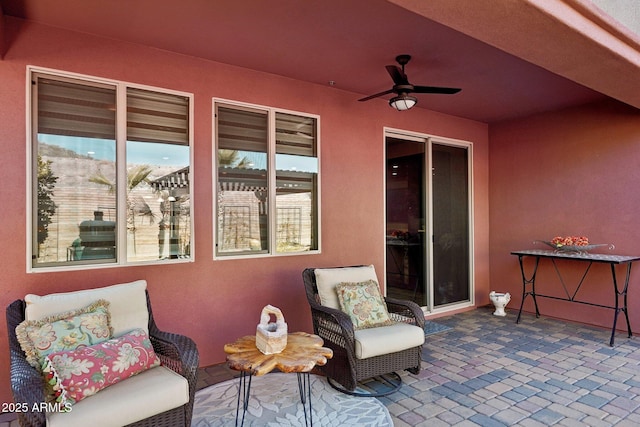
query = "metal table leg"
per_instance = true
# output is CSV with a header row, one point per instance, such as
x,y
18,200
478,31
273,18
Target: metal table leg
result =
x,y
304,387
525,282
617,309
244,390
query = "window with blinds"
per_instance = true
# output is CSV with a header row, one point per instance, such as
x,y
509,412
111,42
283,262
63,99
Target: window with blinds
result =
x,y
110,172
157,117
267,181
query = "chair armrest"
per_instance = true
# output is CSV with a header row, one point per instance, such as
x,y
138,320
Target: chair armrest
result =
x,y
180,354
405,311
27,384
333,325
177,352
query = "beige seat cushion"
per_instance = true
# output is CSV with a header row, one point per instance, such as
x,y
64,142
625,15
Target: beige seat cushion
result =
x,y
141,396
328,278
128,305
387,339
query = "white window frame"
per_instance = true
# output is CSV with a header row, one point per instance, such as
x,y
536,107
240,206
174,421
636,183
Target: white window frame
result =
x,y
272,207
121,170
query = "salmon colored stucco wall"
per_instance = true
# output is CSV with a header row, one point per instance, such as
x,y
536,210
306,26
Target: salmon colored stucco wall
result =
x,y
572,172
214,302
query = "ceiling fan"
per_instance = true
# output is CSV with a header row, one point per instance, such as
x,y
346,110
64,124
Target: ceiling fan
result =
x,y
402,88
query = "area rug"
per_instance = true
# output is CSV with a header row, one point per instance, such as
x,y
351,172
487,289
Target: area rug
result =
x,y
431,328
275,401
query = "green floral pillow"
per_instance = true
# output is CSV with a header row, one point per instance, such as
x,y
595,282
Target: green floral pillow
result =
x,y
66,331
364,304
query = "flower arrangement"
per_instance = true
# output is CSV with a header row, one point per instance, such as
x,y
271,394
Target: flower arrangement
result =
x,y
578,244
560,241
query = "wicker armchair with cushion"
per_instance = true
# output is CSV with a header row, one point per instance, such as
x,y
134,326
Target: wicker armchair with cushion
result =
x,y
159,394
364,352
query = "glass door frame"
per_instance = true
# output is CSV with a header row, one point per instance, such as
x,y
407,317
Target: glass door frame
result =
x,y
429,141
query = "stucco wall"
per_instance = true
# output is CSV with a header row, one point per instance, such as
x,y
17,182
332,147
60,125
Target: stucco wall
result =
x,y
216,301
571,172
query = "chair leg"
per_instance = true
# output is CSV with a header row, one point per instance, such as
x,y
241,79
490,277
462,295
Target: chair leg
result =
x,y
414,371
379,386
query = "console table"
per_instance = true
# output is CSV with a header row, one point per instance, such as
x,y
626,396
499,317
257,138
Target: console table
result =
x,y
620,290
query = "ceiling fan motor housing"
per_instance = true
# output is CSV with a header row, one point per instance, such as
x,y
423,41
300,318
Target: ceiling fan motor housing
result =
x,y
403,60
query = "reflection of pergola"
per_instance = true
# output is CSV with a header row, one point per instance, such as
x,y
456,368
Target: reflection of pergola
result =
x,y
241,179
255,181
177,181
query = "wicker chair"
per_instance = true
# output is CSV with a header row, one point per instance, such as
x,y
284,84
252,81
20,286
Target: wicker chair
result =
x,y
336,329
177,352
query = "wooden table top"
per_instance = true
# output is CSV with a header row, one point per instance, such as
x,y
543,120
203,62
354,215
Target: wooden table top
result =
x,y
302,353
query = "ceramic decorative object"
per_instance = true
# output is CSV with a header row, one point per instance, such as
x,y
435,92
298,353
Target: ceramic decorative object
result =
x,y
499,300
271,337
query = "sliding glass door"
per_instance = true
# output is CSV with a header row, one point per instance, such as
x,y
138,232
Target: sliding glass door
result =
x,y
406,214
450,219
428,236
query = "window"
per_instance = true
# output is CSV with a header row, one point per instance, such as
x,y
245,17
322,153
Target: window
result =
x,y
110,172
265,155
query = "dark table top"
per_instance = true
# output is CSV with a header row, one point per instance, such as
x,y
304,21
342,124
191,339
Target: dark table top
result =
x,y
580,256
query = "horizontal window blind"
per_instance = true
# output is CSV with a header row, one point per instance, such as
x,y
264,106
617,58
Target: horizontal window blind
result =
x,y
70,109
242,130
157,117
295,135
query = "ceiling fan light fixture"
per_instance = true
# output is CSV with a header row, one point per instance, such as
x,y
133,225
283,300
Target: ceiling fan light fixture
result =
x,y
403,102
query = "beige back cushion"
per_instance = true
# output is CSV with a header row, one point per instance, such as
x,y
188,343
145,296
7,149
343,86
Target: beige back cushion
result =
x,y
128,305
328,278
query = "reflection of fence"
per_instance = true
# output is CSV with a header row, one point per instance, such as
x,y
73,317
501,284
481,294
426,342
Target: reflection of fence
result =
x,y
72,207
76,198
236,227
289,225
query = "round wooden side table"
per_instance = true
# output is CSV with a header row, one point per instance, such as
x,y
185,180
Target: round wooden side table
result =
x,y
303,352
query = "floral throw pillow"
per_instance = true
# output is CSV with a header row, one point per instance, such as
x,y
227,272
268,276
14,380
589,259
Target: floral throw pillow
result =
x,y
364,304
75,375
65,331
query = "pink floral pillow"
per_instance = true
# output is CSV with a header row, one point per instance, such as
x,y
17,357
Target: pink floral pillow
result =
x,y
364,304
66,331
75,375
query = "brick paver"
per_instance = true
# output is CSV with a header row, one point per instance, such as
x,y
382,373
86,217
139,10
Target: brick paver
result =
x,y
489,371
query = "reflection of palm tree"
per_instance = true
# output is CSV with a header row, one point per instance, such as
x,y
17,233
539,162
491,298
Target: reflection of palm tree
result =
x,y
232,158
136,206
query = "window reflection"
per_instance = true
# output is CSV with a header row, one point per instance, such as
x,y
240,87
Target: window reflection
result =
x,y
78,178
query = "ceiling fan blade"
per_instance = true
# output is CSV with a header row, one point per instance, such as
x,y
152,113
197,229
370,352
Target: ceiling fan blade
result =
x,y
398,76
436,89
376,95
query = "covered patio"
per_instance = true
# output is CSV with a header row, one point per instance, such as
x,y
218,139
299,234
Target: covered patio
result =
x,y
490,371
549,110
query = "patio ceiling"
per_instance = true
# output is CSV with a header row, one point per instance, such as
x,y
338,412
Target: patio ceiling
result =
x,y
511,60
